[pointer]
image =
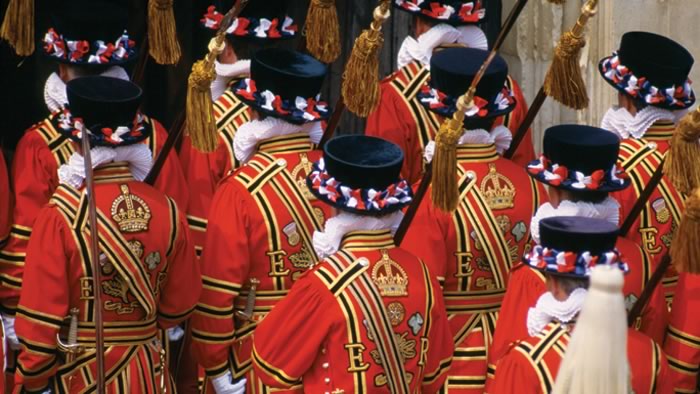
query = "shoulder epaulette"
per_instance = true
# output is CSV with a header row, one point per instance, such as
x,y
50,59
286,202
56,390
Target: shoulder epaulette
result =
x,y
410,78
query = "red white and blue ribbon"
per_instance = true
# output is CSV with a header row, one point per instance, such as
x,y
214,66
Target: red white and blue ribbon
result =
x,y
396,196
73,127
571,263
468,12
81,51
251,27
299,110
559,176
637,86
446,105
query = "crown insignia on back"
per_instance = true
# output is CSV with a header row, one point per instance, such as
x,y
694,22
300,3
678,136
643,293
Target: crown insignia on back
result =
x,y
389,277
131,213
498,191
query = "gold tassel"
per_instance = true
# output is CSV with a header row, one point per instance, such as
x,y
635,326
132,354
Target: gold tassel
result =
x,y
682,164
200,123
564,82
18,26
685,249
360,87
445,193
162,34
322,30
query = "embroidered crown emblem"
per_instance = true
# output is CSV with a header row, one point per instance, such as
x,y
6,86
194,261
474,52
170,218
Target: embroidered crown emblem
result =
x,y
131,213
497,190
299,174
389,277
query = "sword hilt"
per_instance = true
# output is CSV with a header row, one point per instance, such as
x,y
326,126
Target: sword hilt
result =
x,y
71,347
247,314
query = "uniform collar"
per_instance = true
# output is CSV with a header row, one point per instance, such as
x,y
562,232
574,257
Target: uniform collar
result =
x,y
113,172
662,130
292,143
367,240
482,153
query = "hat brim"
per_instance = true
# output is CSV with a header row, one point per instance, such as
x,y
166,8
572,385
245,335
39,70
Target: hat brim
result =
x,y
620,88
145,132
554,273
567,184
294,116
110,63
251,35
454,20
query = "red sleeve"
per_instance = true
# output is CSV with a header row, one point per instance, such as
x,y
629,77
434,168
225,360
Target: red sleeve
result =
x,y
426,238
171,180
44,301
203,171
663,375
655,316
682,345
526,151
525,286
34,177
290,337
393,121
441,344
514,374
177,301
225,265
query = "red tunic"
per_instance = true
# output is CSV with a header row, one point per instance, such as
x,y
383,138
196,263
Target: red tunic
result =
x,y
204,171
526,285
40,152
683,341
472,251
147,256
531,365
654,228
5,202
260,227
402,119
326,331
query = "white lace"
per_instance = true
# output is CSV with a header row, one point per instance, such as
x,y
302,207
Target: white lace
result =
x,y
499,136
549,309
224,384
422,48
608,210
138,156
250,134
55,89
625,125
225,73
327,242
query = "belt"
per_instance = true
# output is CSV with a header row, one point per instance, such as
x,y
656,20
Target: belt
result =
x,y
264,300
473,302
119,333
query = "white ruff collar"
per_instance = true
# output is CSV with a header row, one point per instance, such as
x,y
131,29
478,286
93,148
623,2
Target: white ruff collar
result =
x,y
327,242
499,136
250,134
608,210
138,156
621,122
55,89
422,48
225,73
548,309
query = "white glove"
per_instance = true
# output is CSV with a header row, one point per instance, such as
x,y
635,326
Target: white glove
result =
x,y
175,333
224,385
8,324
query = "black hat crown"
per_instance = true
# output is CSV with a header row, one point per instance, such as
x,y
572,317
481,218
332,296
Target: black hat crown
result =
x,y
589,151
104,105
285,84
361,174
652,69
89,22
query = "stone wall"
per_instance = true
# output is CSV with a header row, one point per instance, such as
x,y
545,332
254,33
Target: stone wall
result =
x,y
529,47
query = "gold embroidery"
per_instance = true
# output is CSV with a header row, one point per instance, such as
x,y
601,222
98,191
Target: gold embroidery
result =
x,y
649,240
503,223
277,263
667,238
390,283
136,248
318,212
357,364
86,288
302,259
116,287
153,260
300,172
396,312
662,212
497,190
292,234
130,212
121,309
485,283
